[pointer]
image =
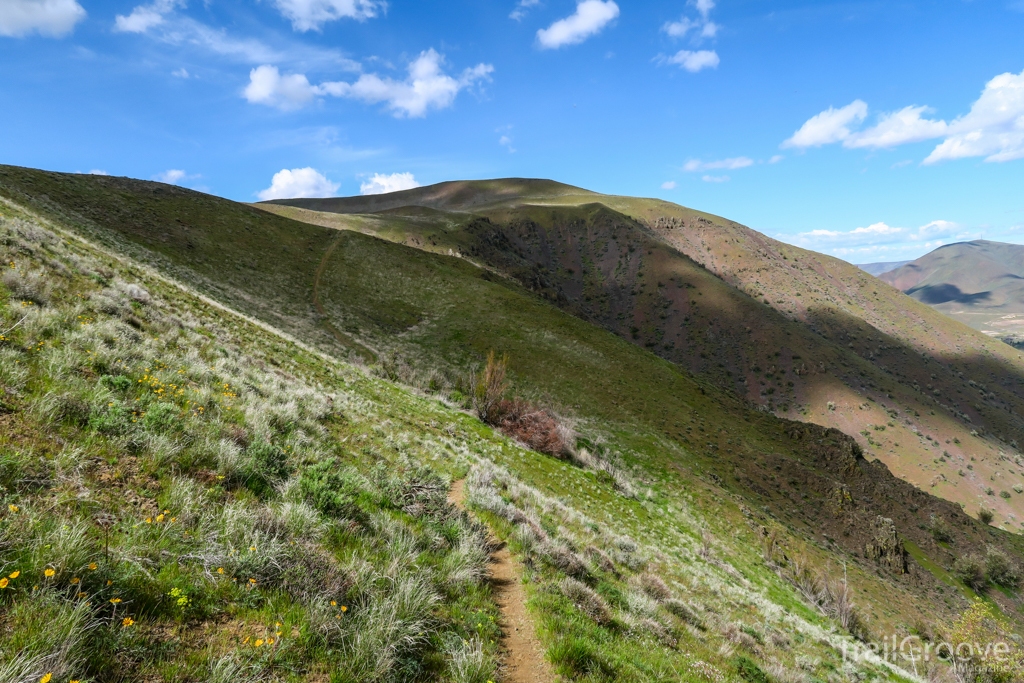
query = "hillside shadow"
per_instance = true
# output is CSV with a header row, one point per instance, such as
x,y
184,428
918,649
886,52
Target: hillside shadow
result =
x,y
940,294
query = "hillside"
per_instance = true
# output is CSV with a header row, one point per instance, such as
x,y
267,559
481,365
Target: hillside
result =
x,y
801,334
877,269
687,537
979,283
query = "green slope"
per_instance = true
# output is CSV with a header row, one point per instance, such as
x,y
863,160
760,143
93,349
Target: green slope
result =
x,y
707,458
804,335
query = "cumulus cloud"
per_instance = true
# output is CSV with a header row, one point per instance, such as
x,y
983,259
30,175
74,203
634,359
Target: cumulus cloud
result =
x,y
145,17
310,15
590,17
898,128
715,178
426,87
694,61
722,164
993,128
46,17
97,171
380,183
267,86
506,142
296,183
522,9
831,125
702,26
171,176
668,185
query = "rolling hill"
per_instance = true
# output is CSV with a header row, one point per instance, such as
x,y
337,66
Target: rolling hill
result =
x,y
979,283
801,334
691,535
877,269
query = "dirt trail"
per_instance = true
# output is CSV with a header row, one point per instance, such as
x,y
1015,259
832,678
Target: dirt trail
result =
x,y
524,655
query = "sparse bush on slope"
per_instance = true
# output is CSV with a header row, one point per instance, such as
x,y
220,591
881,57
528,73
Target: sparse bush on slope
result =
x,y
174,508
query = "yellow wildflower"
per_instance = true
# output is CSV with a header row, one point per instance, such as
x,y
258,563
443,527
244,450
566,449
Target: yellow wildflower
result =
x,y
74,581
48,572
46,678
344,608
259,642
15,574
126,622
109,582
220,570
270,641
115,601
92,566
12,507
81,595
149,520
4,582
252,581
334,603
159,518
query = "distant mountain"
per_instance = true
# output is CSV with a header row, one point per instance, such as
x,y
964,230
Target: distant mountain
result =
x,y
877,269
979,283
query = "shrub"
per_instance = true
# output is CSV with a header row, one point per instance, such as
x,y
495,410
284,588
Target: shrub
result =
x,y
985,515
1004,494
971,571
1001,569
1018,488
587,600
28,286
748,670
940,529
653,586
536,427
685,612
333,489
490,388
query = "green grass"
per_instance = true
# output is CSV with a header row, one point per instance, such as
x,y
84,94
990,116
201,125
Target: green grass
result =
x,y
635,410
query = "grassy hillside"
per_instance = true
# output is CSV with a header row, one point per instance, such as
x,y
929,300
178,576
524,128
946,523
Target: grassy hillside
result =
x,y
681,557
804,335
978,283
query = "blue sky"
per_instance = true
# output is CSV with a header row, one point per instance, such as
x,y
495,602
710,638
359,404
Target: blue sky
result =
x,y
874,131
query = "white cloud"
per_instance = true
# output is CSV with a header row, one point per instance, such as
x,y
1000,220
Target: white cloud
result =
x,y
776,159
380,183
46,17
506,142
994,128
145,17
679,29
175,176
590,17
723,164
668,185
181,73
97,171
267,86
704,6
427,87
695,61
715,178
703,26
831,125
310,15
880,239
898,128
298,182
522,9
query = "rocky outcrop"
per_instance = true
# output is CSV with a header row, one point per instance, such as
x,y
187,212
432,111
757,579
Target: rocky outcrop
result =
x,y
886,547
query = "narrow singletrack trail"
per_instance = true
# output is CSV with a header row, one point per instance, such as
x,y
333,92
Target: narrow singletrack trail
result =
x,y
524,656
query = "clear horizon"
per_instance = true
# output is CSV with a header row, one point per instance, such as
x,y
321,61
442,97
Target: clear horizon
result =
x,y
855,129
